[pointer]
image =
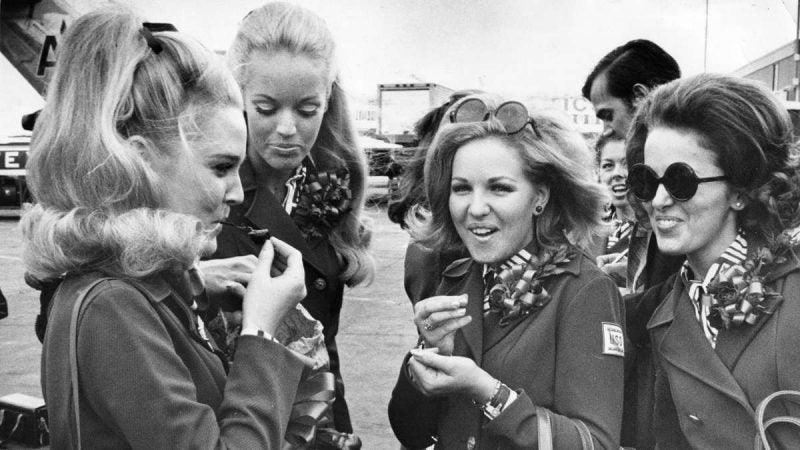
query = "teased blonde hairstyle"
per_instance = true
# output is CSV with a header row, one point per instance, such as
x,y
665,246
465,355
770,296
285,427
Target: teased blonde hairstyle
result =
x,y
280,26
559,160
97,199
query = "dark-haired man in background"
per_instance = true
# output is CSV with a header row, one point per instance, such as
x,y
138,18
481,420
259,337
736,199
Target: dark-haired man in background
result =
x,y
623,77
615,87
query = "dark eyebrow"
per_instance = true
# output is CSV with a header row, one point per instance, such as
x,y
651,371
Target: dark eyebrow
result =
x,y
502,178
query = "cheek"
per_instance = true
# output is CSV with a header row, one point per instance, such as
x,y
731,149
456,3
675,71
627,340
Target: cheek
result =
x,y
259,127
208,190
456,208
309,128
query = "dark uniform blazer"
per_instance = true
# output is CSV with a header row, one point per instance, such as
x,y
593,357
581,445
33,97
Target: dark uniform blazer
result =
x,y
554,360
705,397
322,268
149,380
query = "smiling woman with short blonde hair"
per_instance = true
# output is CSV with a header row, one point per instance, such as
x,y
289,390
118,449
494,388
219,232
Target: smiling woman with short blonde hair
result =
x,y
533,327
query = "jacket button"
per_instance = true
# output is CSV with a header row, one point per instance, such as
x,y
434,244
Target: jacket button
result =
x,y
696,420
471,443
320,284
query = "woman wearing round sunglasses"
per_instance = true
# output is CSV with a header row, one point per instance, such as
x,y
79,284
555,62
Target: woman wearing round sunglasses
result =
x,y
719,183
521,346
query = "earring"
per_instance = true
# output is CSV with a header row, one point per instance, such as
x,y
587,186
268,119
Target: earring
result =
x,y
538,210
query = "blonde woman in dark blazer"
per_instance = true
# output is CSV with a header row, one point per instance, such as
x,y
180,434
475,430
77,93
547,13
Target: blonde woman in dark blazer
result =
x,y
304,176
134,162
533,356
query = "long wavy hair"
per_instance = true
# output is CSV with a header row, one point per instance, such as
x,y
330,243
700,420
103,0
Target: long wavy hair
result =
x,y
750,133
573,213
98,201
280,26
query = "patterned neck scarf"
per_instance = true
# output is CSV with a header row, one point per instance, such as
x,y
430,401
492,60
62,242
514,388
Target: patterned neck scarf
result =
x,y
735,254
622,231
293,185
490,274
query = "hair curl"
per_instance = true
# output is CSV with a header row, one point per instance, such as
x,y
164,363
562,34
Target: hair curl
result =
x,y
97,197
749,132
280,26
573,213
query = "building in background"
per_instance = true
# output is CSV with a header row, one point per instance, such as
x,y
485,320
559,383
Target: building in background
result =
x,y
780,71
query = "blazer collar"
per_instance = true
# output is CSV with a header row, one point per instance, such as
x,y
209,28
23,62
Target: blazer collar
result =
x,y
460,267
679,340
187,286
731,343
466,276
496,335
266,211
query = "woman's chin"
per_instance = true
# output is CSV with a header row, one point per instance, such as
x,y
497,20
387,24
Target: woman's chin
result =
x,y
209,247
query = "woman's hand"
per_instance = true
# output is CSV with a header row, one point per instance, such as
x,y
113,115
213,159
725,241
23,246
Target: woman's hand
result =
x,y
438,318
615,265
227,277
269,298
435,375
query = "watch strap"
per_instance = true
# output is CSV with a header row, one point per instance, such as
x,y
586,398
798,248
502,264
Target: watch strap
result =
x,y
254,331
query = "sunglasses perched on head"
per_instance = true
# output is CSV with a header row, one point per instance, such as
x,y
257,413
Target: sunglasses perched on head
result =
x,y
512,115
679,180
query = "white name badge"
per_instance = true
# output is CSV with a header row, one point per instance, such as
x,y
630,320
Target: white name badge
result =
x,y
613,340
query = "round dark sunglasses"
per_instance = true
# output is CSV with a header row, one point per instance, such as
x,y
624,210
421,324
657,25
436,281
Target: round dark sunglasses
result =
x,y
512,115
679,180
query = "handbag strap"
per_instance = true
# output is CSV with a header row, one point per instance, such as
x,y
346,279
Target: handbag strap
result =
x,y
73,355
544,426
586,437
761,441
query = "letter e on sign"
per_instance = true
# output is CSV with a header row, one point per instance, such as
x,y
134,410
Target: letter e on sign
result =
x,y
10,160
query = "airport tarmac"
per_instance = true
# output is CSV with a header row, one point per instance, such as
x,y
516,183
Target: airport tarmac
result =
x,y
376,329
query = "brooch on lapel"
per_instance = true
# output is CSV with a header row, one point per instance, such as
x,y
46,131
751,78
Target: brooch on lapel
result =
x,y
324,199
739,295
517,291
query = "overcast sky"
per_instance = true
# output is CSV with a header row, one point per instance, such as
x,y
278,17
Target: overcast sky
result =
x,y
519,48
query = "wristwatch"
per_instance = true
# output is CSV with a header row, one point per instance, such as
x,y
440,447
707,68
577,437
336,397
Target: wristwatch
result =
x,y
253,331
495,405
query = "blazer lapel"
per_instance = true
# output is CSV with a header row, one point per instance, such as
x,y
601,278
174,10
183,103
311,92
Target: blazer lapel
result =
x,y
266,212
732,342
680,342
464,277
